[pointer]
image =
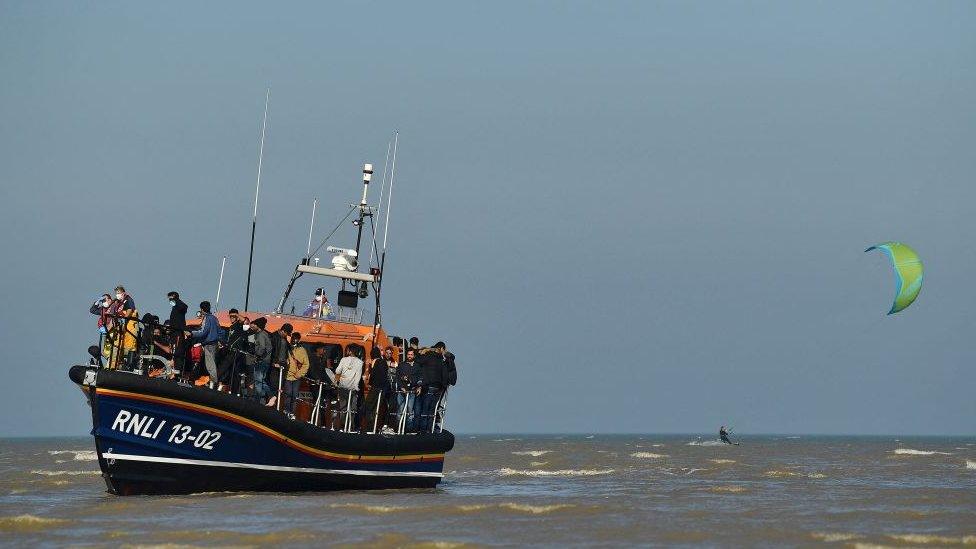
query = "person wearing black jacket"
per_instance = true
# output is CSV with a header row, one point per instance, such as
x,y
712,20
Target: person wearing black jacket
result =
x,y
177,325
279,359
379,387
231,353
432,369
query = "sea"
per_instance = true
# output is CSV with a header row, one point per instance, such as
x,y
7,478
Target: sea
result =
x,y
518,490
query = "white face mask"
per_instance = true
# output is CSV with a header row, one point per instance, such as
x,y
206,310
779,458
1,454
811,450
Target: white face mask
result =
x,y
318,298
106,304
119,296
246,327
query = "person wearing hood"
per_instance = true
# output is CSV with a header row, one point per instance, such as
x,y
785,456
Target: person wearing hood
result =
x,y
100,308
207,337
319,306
177,325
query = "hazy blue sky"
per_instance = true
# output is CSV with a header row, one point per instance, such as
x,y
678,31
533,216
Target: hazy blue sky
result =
x,y
622,216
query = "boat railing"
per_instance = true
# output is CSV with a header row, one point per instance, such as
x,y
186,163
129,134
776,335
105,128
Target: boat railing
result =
x,y
125,347
335,313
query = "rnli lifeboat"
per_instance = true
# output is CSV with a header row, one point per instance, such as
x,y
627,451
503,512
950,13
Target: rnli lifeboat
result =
x,y
161,435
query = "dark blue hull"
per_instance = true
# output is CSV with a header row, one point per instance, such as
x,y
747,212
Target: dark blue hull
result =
x,y
157,437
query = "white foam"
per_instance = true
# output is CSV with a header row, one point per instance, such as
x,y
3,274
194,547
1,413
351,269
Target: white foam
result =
x,y
61,473
934,539
534,509
722,461
913,452
533,453
706,443
79,455
506,472
648,455
834,537
970,464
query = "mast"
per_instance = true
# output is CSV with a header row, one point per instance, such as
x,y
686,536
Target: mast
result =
x,y
257,191
364,209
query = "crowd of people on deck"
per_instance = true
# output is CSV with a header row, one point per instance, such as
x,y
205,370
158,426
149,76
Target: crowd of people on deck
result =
x,y
244,358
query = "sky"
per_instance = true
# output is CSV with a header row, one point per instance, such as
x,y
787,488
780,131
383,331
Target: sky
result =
x,y
620,216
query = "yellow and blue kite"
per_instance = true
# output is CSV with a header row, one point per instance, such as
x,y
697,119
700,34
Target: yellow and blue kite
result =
x,y
908,273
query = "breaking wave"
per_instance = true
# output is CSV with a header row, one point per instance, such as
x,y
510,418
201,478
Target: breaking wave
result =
x,y
834,537
912,452
79,455
535,509
778,473
28,523
722,461
648,455
933,539
731,489
970,464
378,509
706,443
533,453
506,472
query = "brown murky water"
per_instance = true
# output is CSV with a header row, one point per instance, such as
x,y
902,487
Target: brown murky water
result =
x,y
540,490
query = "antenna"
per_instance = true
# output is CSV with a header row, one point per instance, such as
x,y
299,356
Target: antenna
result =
x,y
389,198
308,249
378,317
220,282
379,203
257,191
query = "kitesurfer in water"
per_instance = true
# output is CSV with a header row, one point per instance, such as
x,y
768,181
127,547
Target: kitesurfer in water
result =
x,y
724,435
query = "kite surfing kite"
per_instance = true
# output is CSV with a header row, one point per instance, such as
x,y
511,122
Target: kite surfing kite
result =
x,y
908,273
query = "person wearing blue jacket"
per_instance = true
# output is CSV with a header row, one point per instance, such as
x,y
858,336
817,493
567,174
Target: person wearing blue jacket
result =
x,y
207,337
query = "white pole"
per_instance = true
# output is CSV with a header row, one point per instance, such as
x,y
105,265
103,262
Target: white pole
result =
x,y
389,198
318,405
379,203
376,416
257,191
348,410
220,282
308,249
264,126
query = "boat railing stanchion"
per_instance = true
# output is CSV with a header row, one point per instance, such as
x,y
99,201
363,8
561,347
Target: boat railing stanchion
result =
x,y
318,404
401,425
441,410
437,407
345,426
376,416
281,378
